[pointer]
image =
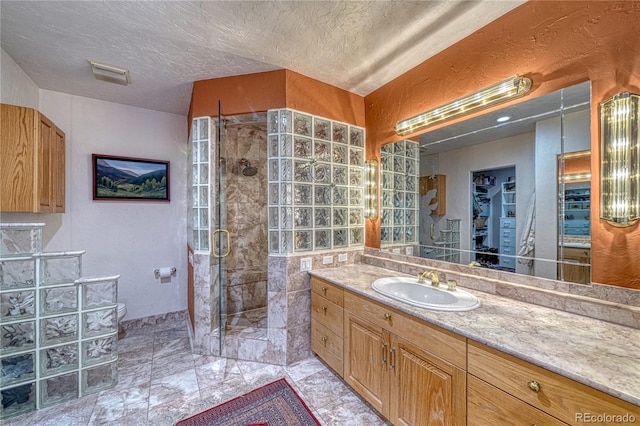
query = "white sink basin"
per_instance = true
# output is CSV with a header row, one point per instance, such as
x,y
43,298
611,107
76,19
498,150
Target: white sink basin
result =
x,y
408,290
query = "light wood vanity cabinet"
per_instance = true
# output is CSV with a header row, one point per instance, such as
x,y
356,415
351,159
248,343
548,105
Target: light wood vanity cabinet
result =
x,y
415,373
32,164
575,267
410,371
534,394
326,323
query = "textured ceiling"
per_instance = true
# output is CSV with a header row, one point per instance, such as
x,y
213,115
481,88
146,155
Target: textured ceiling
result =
x,y
166,45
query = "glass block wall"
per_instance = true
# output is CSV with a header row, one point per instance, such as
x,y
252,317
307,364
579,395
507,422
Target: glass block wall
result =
x,y
58,337
399,169
200,231
316,183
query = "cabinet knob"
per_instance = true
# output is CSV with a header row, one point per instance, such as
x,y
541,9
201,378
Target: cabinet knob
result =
x,y
324,289
534,386
324,339
387,316
324,308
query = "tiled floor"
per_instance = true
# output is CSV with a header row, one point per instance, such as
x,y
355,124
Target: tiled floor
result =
x,y
162,381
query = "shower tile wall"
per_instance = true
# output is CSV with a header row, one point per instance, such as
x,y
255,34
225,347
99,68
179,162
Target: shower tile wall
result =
x,y
246,196
316,183
399,166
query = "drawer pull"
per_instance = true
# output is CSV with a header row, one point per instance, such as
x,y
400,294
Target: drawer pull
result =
x,y
324,339
534,386
324,308
387,316
324,289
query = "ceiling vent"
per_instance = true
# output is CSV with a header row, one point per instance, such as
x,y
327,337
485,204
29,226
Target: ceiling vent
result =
x,y
110,73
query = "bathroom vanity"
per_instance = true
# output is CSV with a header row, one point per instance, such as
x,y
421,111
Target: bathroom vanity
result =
x,y
503,362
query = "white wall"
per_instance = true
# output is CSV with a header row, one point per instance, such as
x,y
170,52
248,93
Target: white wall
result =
x,y
577,137
16,88
125,237
458,165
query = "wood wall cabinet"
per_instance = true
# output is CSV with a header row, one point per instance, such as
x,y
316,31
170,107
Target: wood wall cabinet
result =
x,y
412,372
534,395
439,183
32,164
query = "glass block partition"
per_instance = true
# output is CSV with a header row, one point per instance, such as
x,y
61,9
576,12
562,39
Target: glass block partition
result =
x,y
399,169
200,230
58,331
316,183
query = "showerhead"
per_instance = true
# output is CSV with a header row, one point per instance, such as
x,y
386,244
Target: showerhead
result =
x,y
248,170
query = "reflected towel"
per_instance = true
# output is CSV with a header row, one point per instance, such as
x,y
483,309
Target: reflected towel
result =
x,y
528,236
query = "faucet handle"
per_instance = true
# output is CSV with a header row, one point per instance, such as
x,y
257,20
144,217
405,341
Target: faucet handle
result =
x,y
451,285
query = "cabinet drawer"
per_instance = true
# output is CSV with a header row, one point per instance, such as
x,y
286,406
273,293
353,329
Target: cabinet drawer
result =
x,y
577,223
507,242
327,290
447,345
326,313
327,345
508,222
511,251
577,254
507,262
488,405
507,233
559,396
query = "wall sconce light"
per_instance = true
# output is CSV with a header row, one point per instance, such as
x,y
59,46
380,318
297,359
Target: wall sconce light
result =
x,y
620,156
371,189
503,91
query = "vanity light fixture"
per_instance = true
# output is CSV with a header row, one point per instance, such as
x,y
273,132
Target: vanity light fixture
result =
x,y
110,73
371,189
620,159
503,91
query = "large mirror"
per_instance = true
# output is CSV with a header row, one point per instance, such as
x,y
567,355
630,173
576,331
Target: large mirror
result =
x,y
507,190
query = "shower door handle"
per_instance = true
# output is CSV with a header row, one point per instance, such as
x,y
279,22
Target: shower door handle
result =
x,y
213,243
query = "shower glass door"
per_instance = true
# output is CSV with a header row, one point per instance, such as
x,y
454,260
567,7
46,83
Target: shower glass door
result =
x,y
221,243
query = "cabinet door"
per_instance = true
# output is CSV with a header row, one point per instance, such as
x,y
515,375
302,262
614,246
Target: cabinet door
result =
x,y
425,390
46,149
57,170
366,351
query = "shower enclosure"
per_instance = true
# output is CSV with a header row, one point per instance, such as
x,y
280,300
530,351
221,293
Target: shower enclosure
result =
x,y
268,190
228,238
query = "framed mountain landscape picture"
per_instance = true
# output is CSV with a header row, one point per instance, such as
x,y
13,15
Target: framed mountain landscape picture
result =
x,y
125,178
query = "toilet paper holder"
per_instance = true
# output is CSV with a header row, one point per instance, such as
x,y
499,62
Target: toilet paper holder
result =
x,y
156,271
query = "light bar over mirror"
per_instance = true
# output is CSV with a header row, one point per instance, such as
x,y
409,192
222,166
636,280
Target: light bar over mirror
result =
x,y
498,93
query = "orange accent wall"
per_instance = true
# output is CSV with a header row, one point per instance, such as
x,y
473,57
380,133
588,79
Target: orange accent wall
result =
x,y
239,94
318,98
557,44
275,89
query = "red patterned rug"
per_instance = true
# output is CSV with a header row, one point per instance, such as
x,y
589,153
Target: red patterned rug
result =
x,y
275,404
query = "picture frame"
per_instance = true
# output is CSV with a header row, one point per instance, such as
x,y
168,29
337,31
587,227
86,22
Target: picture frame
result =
x,y
118,178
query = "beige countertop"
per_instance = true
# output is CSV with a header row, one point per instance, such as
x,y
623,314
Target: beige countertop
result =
x,y
596,353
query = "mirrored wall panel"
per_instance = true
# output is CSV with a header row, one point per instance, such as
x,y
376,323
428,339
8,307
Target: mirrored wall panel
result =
x,y
508,190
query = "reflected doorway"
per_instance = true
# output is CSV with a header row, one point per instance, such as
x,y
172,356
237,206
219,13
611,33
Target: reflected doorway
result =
x,y
493,224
